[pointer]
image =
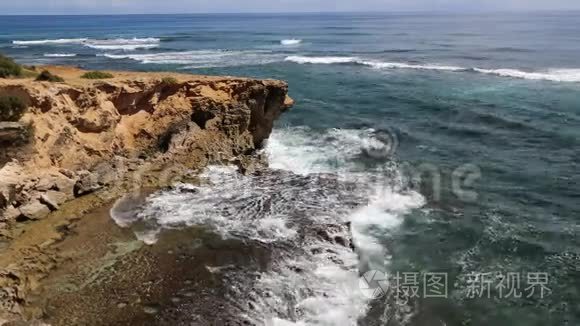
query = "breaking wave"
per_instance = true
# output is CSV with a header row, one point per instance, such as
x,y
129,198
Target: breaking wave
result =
x,y
291,42
123,44
301,151
202,58
104,44
308,218
557,75
321,60
56,41
59,55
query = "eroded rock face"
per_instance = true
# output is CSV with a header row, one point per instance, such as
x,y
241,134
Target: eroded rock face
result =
x,y
11,132
90,135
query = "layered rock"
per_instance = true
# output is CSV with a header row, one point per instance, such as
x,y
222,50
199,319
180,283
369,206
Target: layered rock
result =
x,y
105,138
92,135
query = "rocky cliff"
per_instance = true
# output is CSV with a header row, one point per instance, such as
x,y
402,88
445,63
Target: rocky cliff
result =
x,y
87,135
83,143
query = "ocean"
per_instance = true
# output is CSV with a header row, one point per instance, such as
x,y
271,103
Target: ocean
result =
x,y
447,146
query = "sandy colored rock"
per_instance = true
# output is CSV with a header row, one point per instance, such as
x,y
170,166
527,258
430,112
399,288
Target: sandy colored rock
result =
x,y
99,130
52,199
34,210
93,141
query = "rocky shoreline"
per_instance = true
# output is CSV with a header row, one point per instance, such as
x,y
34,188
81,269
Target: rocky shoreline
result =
x,y
91,142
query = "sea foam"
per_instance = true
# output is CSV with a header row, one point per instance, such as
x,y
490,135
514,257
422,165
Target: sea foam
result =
x,y
557,75
123,44
104,44
289,208
203,58
291,42
59,55
337,298
55,41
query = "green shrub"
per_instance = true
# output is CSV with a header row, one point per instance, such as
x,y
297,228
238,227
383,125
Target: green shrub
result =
x,y
169,80
26,73
97,75
9,68
46,75
11,108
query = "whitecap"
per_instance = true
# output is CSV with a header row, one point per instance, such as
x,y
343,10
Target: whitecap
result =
x,y
55,41
385,212
125,44
556,75
202,58
59,55
302,151
321,60
396,65
291,42
370,63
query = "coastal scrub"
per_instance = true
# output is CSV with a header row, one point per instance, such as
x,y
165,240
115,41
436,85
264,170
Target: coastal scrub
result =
x,y
97,75
11,108
9,68
46,75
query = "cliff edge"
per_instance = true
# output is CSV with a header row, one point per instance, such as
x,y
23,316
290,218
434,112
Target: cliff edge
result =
x,y
99,139
84,133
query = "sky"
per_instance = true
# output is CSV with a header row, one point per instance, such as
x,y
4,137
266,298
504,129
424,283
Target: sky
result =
x,y
236,6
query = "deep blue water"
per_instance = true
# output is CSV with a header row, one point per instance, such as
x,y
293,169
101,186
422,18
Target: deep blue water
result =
x,y
497,94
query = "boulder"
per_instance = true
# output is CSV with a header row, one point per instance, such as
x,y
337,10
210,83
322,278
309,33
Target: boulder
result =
x,y
53,199
86,184
35,210
9,214
10,176
56,182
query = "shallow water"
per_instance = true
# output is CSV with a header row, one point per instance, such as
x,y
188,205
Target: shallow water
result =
x,y
452,143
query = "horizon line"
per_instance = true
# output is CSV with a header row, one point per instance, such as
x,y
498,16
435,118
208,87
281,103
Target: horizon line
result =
x,y
447,11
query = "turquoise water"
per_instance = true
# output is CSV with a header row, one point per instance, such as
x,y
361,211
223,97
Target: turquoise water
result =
x,y
495,95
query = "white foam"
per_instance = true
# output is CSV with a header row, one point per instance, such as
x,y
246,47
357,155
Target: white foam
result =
x,y
325,291
320,60
106,44
291,42
56,41
60,55
385,212
311,280
396,65
301,151
324,288
124,44
318,276
370,63
179,208
557,75
203,58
